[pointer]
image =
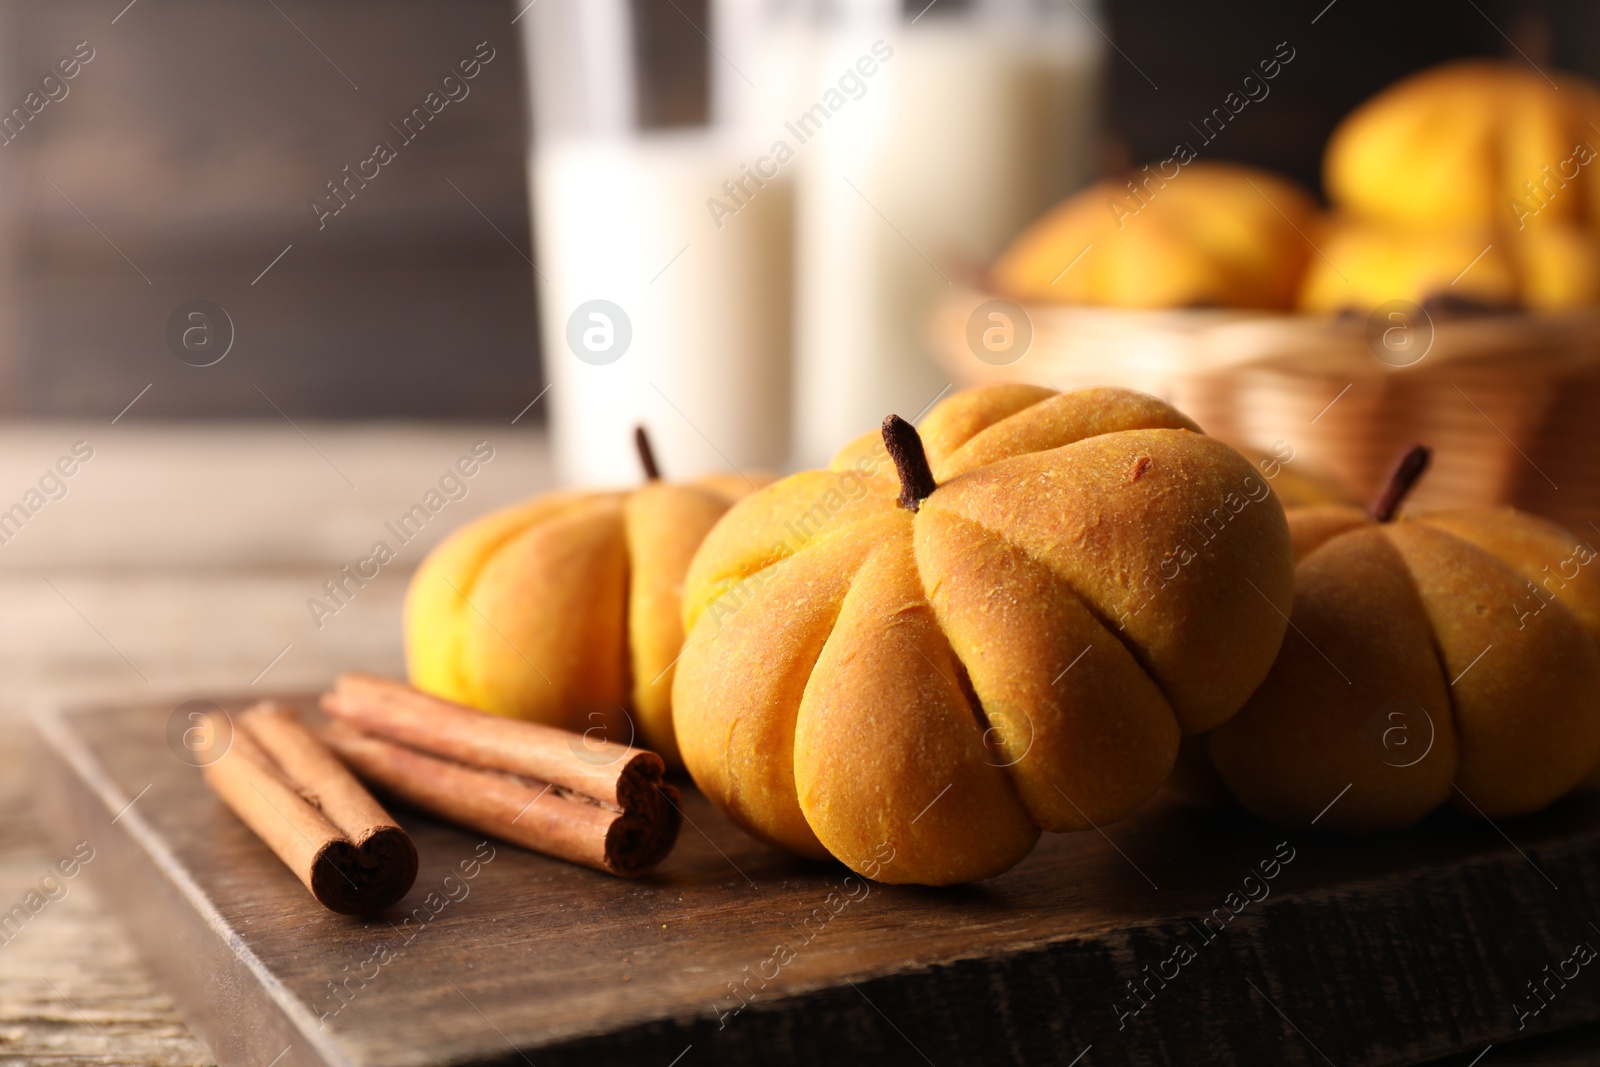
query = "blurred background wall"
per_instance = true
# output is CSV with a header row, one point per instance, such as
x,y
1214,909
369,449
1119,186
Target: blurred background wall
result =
x,y
1345,51
182,161
183,158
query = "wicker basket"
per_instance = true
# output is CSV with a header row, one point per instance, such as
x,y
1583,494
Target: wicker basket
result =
x,y
1510,403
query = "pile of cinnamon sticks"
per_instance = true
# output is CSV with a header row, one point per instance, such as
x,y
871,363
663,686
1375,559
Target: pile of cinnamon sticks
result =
x,y
299,799
589,801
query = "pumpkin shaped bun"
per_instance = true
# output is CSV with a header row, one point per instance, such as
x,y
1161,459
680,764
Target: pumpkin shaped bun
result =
x,y
1199,235
1485,143
1472,183
1377,263
1548,266
1453,657
938,647
564,610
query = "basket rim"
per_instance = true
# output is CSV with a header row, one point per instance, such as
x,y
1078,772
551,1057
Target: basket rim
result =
x,y
1214,339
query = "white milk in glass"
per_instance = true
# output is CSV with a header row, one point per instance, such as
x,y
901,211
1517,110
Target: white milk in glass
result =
x,y
969,131
620,215
707,370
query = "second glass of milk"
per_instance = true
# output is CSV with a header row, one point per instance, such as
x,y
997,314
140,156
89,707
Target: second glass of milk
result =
x,y
665,259
978,116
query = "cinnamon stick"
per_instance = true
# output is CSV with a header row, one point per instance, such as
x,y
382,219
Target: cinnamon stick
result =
x,y
616,774
524,811
588,801
318,819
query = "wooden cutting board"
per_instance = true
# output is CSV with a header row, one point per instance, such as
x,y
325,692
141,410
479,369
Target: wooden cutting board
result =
x,y
1175,937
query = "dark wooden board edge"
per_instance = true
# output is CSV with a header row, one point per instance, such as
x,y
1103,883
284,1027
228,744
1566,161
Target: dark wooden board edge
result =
x,y
1469,936
220,988
975,1011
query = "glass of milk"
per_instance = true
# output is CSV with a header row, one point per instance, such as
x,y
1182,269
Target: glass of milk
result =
x,y
975,117
663,231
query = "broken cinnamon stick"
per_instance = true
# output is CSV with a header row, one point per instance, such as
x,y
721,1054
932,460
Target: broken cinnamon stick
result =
x,y
593,802
312,812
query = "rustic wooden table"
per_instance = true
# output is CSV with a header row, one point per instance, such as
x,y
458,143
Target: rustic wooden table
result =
x,y
179,563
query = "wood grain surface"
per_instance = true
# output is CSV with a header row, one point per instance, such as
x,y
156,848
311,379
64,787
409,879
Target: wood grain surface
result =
x,y
181,560
1374,952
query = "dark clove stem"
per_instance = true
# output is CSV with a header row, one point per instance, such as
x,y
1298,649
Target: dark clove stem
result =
x,y
647,457
1402,479
910,462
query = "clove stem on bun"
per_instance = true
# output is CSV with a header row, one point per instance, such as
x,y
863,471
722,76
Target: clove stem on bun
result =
x,y
910,462
1408,470
647,456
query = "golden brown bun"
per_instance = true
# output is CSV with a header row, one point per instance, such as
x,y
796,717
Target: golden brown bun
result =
x,y
1550,265
1421,668
1313,526
1022,653
1473,181
1542,552
1454,145
1194,779
565,610
1214,235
